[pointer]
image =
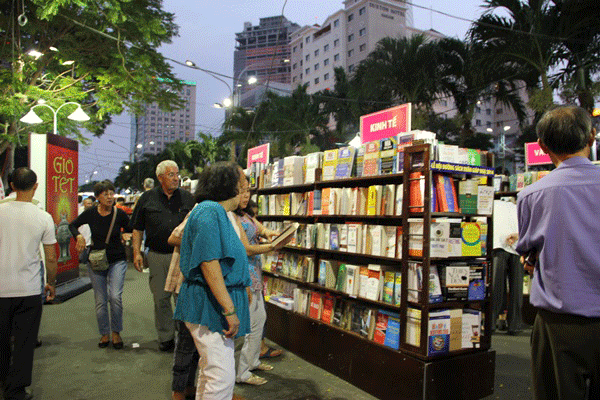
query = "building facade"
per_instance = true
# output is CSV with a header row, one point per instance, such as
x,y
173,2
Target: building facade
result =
x,y
345,39
152,131
263,52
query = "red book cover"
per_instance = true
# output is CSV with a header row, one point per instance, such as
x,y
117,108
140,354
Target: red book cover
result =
x,y
440,191
311,203
316,300
380,327
417,189
328,305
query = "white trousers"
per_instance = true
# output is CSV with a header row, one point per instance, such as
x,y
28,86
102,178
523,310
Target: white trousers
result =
x,y
216,367
251,349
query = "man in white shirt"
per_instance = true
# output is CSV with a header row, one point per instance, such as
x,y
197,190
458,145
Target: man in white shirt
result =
x,y
23,228
507,266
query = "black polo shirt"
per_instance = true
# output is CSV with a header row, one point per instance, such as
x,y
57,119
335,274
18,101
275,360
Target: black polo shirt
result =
x,y
158,216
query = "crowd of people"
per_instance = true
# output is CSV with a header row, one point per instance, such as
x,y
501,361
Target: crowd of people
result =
x,y
202,254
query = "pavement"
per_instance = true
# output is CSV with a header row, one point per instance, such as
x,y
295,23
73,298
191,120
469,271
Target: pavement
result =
x,y
70,366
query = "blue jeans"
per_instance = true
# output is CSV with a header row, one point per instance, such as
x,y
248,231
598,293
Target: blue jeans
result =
x,y
108,288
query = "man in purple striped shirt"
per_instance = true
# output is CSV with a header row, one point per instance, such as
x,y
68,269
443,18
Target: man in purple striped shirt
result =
x,y
559,224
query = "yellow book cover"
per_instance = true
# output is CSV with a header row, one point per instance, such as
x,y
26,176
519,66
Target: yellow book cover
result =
x,y
286,205
471,239
374,200
325,199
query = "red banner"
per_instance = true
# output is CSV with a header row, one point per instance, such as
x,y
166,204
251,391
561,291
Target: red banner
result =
x,y
61,201
386,123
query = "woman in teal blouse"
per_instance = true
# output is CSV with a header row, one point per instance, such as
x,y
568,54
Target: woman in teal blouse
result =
x,y
213,300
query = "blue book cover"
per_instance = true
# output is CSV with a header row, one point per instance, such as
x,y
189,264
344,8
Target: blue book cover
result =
x,y
345,162
448,191
317,202
280,173
438,333
334,241
476,289
322,272
392,333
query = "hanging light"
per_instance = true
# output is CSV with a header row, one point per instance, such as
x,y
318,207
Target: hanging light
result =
x,y
31,118
79,115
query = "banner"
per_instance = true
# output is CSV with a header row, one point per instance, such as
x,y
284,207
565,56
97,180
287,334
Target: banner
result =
x,y
61,201
385,124
534,155
258,154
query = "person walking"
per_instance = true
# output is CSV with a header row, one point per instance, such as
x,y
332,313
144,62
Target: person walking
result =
x,y
213,300
105,222
23,229
157,212
558,232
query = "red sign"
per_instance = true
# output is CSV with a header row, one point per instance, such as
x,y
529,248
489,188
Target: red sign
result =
x,y
258,154
61,201
385,124
534,155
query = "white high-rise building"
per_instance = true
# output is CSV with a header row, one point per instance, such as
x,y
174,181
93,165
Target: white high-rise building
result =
x,y
152,131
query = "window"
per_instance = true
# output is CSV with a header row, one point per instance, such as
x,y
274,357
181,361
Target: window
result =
x,y
317,53
326,48
477,122
363,47
326,77
294,79
307,40
326,62
336,23
362,11
488,124
336,57
477,109
350,17
300,76
316,67
295,65
488,111
351,37
351,68
444,102
336,42
307,71
362,32
316,81
499,124
499,111
307,57
294,49
350,52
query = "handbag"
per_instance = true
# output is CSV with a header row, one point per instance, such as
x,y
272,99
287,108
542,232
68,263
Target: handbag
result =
x,y
98,259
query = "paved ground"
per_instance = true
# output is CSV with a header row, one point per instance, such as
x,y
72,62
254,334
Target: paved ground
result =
x,y
70,366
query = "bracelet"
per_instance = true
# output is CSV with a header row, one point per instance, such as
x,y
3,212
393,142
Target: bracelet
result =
x,y
229,313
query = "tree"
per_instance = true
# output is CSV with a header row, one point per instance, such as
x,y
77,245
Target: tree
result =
x,y
100,54
338,104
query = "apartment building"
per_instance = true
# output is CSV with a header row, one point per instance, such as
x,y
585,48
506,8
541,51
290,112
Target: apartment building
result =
x,y
152,131
263,52
345,39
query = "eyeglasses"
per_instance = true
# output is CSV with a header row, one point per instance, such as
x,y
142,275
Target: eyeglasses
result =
x,y
173,175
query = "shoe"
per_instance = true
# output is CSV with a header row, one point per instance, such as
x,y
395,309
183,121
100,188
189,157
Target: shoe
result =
x,y
103,345
271,352
167,346
255,380
117,345
264,367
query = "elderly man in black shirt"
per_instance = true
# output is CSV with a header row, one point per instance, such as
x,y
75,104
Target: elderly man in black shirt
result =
x,y
158,212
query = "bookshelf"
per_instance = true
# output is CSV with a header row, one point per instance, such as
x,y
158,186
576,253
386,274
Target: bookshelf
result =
x,y
467,373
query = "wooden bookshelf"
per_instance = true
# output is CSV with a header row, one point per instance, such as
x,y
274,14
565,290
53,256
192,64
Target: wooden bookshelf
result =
x,y
386,373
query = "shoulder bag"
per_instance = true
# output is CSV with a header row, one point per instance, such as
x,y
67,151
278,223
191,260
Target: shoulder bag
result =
x,y
98,259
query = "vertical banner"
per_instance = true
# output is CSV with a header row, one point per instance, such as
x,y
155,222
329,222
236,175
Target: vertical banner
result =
x,y
61,201
385,124
258,154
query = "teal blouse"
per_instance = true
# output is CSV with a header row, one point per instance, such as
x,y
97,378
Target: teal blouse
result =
x,y
209,235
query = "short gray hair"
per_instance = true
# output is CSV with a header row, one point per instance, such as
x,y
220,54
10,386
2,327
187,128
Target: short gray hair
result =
x,y
565,129
163,165
148,183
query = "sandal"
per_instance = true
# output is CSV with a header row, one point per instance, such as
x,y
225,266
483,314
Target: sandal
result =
x,y
271,353
264,367
255,380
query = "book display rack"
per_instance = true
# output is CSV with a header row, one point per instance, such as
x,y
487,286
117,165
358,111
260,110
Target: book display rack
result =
x,y
395,301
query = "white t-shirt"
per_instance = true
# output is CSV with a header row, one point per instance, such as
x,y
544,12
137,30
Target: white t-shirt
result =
x,y
23,227
505,223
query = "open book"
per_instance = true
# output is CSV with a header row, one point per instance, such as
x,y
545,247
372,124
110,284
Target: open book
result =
x,y
287,232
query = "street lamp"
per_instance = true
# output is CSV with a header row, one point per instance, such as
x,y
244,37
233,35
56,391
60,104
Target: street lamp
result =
x,y
502,143
32,118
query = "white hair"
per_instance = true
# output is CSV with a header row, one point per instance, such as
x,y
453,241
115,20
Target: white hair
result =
x,y
163,165
148,183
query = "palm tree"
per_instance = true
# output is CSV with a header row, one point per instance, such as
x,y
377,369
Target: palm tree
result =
x,y
525,39
338,104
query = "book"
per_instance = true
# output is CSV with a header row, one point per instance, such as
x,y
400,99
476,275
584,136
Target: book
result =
x,y
345,162
438,335
325,201
334,238
360,154
389,241
467,195
471,239
446,193
476,289
316,202
417,192
287,232
485,200
398,288
371,159
402,140
316,305
399,199
381,324
471,328
374,199
374,282
388,287
455,329
328,306
388,200
293,170
435,287
323,271
352,279
455,281
392,334
338,312
388,155
413,326
340,283
312,162
329,164
363,277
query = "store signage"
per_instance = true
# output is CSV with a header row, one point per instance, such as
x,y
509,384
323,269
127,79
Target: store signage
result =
x,y
61,201
385,124
258,154
534,155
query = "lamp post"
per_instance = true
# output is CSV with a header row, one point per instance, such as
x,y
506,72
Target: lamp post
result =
x,y
32,118
502,143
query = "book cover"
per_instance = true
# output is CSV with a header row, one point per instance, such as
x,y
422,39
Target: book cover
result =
x,y
334,238
343,232
467,195
317,202
388,199
388,287
476,290
327,313
455,281
392,334
378,240
413,326
313,161
485,200
435,287
338,312
360,155
293,170
439,236
455,329
399,199
415,281
403,140
340,283
374,199
325,201
388,155
331,270
390,241
371,159
329,164
471,328
438,332
316,305
374,282
363,277
471,239
356,323
323,271
399,242
280,172
417,192
345,162
398,288
352,279
287,232
381,324
454,237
